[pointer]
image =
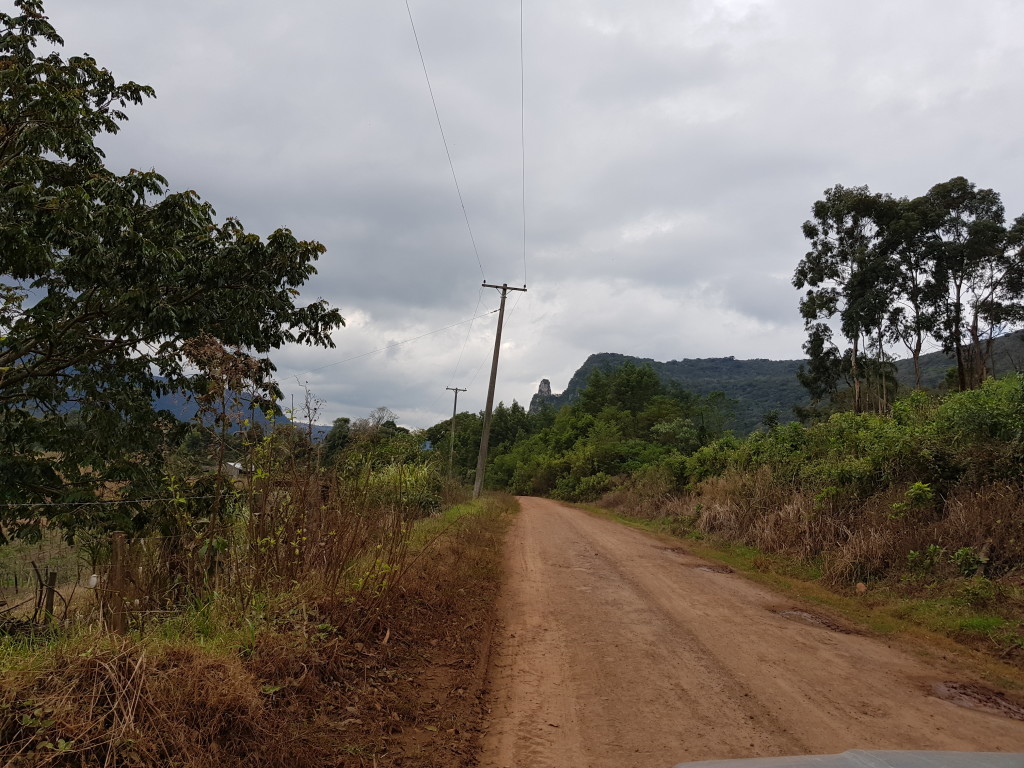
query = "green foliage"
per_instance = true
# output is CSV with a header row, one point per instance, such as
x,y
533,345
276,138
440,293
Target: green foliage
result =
x,y
920,495
926,561
966,561
626,423
337,439
943,267
979,593
927,444
132,287
712,460
409,486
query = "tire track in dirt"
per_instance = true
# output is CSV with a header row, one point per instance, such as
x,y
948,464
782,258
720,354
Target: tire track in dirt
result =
x,y
613,650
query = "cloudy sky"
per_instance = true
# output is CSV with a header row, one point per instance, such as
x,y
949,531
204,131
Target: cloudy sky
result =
x,y
673,149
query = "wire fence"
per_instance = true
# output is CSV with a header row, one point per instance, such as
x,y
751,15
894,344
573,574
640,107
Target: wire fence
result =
x,y
345,536
22,565
104,578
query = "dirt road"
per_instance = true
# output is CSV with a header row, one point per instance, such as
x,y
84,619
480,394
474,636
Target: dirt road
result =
x,y
614,650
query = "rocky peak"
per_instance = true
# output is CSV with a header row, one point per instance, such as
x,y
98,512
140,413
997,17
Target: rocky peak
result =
x,y
543,397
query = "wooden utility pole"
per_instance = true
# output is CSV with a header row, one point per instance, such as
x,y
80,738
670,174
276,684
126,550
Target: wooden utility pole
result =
x,y
485,434
451,448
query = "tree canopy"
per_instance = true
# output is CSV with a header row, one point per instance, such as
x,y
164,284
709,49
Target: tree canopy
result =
x,y
944,266
112,288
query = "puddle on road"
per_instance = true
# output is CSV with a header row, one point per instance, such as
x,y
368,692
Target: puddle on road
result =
x,y
812,619
971,696
674,550
715,568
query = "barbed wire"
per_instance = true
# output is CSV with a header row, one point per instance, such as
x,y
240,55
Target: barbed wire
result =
x,y
27,504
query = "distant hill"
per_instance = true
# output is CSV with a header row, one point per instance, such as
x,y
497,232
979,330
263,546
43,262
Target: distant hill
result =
x,y
1008,356
183,406
759,385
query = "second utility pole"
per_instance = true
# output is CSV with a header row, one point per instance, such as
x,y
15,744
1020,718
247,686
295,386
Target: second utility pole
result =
x,y
485,434
451,448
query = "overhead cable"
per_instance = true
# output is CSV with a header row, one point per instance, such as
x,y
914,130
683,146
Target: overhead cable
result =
x,y
437,114
469,332
522,128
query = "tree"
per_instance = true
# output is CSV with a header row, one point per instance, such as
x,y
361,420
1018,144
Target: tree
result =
x,y
912,315
105,281
337,439
822,372
509,424
846,273
467,442
632,387
974,271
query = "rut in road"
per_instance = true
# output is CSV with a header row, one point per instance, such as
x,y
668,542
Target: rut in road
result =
x,y
614,650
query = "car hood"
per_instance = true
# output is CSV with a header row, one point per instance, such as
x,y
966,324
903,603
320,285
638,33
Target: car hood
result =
x,y
857,758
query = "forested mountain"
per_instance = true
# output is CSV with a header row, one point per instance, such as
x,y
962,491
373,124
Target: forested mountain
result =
x,y
761,386
1007,356
757,386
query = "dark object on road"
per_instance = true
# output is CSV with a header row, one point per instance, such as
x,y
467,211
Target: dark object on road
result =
x,y
889,759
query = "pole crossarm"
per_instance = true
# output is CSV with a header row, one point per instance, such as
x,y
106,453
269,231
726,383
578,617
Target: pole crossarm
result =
x,y
485,434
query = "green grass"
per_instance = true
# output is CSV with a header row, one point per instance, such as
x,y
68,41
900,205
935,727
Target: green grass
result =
x,y
428,529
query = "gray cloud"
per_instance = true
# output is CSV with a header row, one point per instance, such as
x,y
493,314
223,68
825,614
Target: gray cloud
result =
x,y
673,150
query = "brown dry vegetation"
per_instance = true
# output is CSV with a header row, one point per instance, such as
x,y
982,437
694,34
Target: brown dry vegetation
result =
x,y
301,682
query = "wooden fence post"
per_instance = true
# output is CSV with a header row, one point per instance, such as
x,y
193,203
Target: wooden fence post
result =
x,y
51,589
115,584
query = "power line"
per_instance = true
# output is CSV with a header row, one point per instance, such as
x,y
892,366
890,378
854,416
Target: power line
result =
x,y
398,343
444,140
479,297
522,128
477,371
513,310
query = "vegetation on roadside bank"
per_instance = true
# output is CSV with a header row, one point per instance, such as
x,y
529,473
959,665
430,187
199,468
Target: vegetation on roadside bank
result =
x,y
307,676
215,592
922,504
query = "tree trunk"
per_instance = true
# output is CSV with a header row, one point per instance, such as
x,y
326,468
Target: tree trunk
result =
x,y
977,359
918,343
883,385
958,340
854,373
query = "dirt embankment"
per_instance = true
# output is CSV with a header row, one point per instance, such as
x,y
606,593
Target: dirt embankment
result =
x,y
617,650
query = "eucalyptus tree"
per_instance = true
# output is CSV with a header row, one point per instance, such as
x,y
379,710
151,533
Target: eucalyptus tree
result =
x,y
848,278
913,309
106,281
976,270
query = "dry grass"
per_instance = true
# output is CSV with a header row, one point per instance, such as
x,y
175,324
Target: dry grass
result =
x,y
860,540
108,702
322,677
